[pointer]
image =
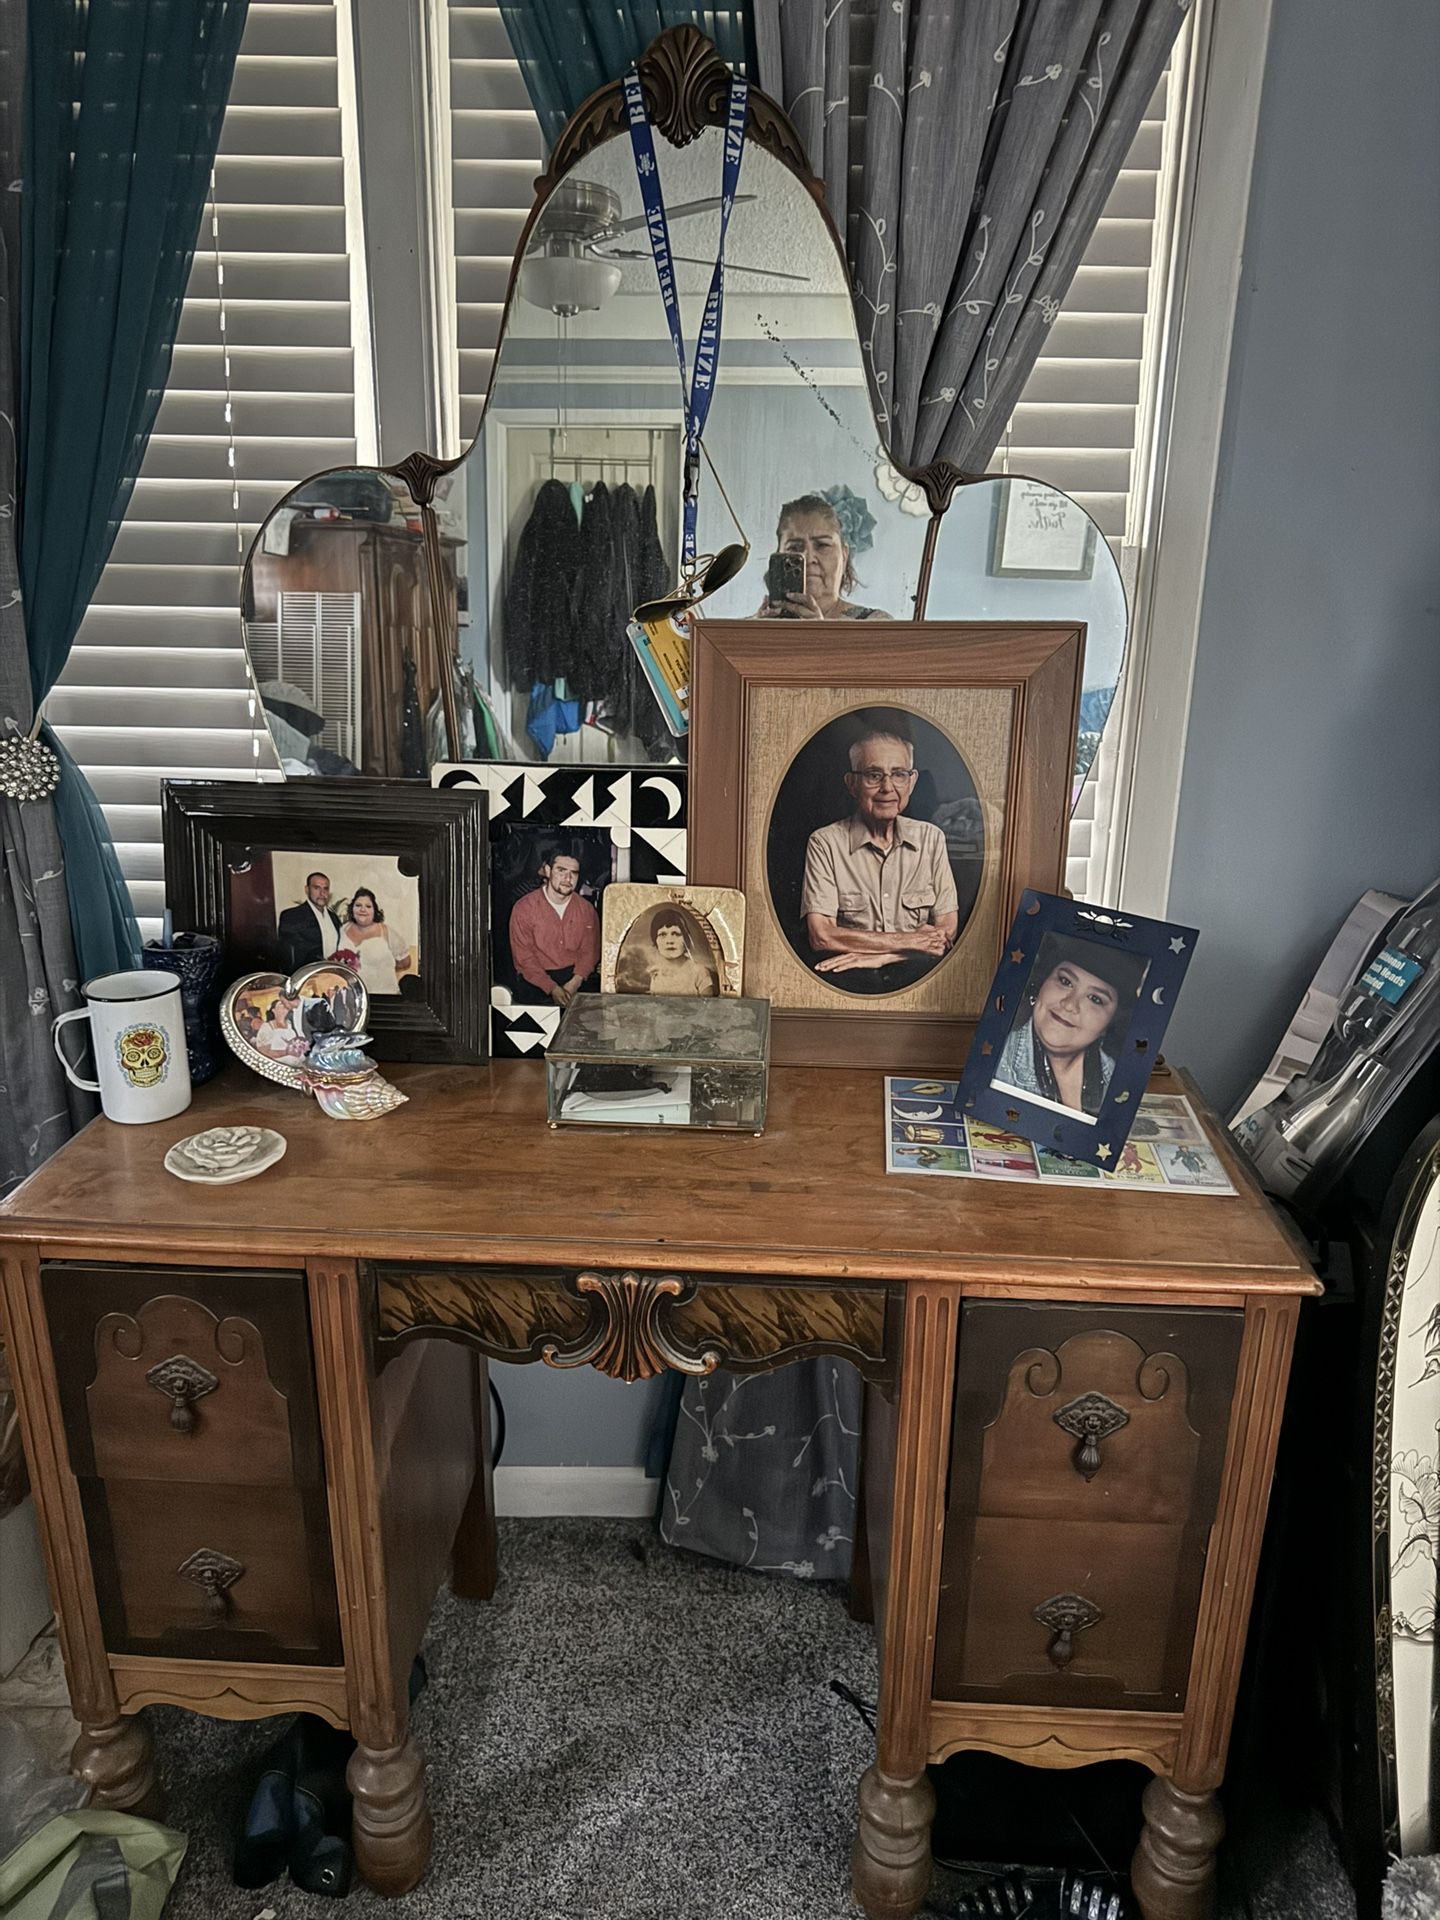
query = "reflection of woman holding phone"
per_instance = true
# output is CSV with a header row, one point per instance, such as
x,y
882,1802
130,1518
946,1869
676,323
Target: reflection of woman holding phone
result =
x,y
811,572
1059,1051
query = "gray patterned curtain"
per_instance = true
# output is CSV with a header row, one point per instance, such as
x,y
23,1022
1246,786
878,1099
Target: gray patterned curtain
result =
x,y
967,180
39,1108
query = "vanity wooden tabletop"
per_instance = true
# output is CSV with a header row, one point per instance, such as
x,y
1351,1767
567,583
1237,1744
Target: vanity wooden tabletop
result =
x,y
468,1171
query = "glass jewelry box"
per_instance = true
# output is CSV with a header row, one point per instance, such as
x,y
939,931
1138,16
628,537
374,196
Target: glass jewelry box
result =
x,y
659,1060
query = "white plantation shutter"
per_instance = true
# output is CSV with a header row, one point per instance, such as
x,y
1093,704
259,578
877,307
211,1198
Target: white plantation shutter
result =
x,y
157,681
496,152
1078,422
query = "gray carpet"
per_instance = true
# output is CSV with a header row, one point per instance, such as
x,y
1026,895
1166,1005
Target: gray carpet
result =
x,y
631,1733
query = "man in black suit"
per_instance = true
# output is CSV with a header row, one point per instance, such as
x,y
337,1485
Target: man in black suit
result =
x,y
309,931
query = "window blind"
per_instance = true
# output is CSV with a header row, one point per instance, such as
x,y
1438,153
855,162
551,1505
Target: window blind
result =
x,y
496,152
157,682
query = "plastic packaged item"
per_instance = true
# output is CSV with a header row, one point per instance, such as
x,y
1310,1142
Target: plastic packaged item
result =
x,y
1387,1025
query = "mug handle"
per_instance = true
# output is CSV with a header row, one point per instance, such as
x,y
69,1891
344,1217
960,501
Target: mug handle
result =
x,y
75,1013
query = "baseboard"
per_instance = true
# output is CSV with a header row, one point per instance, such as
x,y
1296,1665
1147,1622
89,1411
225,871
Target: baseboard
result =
x,y
620,1493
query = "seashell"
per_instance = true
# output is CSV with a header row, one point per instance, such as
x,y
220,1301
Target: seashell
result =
x,y
365,1099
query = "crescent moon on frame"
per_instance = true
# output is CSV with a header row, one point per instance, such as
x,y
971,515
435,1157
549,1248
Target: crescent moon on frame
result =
x,y
1158,996
671,793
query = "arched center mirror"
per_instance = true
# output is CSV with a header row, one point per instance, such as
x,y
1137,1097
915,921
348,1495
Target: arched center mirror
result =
x,y
479,611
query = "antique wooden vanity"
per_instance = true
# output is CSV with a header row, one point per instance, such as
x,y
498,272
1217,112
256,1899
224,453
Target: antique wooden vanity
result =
x,y
256,1421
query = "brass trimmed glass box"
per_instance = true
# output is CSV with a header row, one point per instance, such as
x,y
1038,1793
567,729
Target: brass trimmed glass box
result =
x,y
659,1060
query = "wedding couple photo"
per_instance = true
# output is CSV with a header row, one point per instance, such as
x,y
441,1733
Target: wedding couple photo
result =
x,y
359,910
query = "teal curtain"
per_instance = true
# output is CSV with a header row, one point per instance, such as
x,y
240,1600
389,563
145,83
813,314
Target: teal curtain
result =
x,y
124,101
568,48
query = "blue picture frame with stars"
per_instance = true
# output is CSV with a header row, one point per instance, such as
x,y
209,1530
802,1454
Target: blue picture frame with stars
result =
x,y
1072,1025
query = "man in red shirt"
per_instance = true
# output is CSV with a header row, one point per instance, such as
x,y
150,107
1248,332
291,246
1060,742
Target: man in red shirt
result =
x,y
555,932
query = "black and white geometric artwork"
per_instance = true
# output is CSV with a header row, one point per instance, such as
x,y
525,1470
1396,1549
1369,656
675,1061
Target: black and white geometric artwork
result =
x,y
643,809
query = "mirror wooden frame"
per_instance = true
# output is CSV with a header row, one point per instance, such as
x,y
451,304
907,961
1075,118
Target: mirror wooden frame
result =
x,y
1039,664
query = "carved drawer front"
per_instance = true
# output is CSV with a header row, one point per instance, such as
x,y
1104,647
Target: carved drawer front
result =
x,y
1085,1470
633,1324
1091,1413
213,1573
175,1375
1063,1613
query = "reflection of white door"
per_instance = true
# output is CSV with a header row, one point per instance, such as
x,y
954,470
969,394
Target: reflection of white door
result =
x,y
640,456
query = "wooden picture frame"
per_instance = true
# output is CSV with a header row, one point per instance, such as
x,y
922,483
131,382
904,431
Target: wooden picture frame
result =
x,y
438,838
1001,697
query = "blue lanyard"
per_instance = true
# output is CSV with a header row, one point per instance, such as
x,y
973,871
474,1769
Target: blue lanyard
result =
x,y
696,395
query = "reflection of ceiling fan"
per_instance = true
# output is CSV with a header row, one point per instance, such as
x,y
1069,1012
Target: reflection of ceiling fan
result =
x,y
572,266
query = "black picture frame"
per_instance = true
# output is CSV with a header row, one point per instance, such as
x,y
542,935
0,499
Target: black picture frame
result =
x,y
440,1016
643,809
1165,948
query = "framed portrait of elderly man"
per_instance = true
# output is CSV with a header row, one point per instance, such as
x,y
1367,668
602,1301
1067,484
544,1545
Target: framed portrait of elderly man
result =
x,y
882,795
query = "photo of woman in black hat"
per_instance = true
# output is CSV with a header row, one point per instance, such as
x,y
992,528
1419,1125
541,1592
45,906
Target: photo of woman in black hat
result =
x,y
1069,1026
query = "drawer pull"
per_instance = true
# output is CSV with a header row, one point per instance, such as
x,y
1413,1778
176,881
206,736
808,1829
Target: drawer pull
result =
x,y
183,1381
214,1573
1066,1615
1089,1420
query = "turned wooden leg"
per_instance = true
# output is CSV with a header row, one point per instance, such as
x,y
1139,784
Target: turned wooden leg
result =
x,y
475,1565
890,1865
117,1762
392,1830
1173,1872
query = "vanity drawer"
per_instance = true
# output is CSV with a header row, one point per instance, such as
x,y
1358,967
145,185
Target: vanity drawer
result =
x,y
1066,1613
213,1572
185,1375
1087,1450
1092,1413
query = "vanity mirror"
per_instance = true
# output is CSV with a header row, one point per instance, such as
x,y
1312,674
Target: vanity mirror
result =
x,y
477,609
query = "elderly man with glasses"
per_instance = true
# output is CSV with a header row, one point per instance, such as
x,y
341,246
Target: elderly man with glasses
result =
x,y
879,896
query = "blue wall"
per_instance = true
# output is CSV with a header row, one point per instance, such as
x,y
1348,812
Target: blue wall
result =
x,y
1312,766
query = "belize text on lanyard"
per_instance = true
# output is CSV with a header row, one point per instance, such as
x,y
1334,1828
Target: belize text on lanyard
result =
x,y
697,393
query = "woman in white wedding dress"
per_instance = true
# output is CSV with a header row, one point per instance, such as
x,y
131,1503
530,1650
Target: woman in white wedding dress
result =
x,y
381,952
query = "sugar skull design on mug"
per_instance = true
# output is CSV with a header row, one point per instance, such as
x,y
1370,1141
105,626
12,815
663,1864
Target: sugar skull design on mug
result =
x,y
144,1055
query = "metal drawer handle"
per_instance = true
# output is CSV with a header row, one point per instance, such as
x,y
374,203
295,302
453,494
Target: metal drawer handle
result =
x,y
1065,1615
1089,1420
183,1381
214,1573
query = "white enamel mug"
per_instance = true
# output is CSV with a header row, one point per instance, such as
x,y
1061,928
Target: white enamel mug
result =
x,y
137,1033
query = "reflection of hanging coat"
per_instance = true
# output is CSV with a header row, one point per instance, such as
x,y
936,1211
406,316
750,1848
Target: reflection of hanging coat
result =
x,y
601,574
637,572
540,606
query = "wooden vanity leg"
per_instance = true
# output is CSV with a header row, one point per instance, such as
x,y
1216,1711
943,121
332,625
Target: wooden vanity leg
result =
x,y
1173,1872
117,1763
890,1867
386,1775
113,1753
393,1829
476,1565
